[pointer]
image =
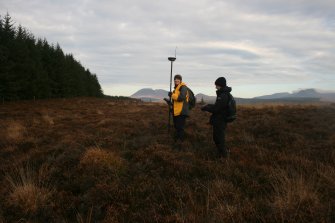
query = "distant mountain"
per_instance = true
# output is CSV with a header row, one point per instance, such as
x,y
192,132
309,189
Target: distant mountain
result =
x,y
276,100
149,94
306,93
273,96
205,98
301,96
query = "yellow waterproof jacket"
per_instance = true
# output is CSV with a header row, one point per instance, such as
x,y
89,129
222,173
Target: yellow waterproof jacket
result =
x,y
180,100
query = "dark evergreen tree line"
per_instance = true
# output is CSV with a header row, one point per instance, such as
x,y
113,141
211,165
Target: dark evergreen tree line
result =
x,y
32,68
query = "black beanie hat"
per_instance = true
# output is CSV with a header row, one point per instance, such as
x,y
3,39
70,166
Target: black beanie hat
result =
x,y
221,81
178,76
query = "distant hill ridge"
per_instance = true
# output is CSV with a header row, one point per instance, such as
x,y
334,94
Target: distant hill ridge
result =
x,y
311,94
150,93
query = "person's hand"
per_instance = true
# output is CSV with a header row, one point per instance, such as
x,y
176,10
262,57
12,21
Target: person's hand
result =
x,y
167,101
170,94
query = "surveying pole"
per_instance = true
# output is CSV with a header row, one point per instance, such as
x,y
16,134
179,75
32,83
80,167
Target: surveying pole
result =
x,y
171,59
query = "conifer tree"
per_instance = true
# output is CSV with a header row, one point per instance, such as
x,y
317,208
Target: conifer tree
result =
x,y
31,68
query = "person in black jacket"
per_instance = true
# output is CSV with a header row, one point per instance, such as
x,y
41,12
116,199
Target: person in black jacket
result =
x,y
219,113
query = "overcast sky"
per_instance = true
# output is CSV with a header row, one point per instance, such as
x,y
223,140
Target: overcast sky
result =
x,y
260,46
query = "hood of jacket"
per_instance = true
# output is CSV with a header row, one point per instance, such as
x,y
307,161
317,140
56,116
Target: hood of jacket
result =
x,y
224,90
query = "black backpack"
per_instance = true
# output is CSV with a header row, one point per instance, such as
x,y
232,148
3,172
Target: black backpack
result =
x,y
191,99
231,111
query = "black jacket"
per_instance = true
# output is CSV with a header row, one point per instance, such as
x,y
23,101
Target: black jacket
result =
x,y
219,109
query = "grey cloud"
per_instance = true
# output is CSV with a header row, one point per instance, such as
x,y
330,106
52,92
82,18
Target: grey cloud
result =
x,y
308,7
128,41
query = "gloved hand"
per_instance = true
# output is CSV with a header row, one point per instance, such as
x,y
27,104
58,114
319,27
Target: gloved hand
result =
x,y
170,94
167,101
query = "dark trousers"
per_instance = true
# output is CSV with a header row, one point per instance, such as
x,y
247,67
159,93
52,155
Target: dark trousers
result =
x,y
219,131
179,124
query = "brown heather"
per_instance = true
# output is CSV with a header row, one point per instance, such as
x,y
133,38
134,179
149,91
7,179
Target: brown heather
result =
x,y
15,131
99,160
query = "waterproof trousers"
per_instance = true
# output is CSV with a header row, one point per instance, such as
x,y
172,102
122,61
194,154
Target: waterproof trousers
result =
x,y
179,125
219,131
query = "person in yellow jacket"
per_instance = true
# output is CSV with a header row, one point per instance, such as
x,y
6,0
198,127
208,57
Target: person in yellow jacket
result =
x,y
180,107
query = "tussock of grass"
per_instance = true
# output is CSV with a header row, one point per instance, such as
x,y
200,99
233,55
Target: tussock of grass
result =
x,y
15,131
98,158
88,218
26,192
48,119
99,112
